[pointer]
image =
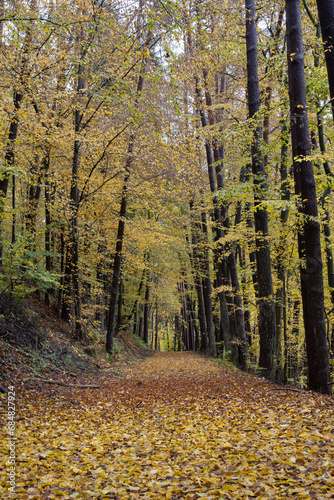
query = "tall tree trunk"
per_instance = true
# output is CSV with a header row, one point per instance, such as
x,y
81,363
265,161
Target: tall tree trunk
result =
x,y
207,291
72,284
309,245
218,155
281,254
197,270
266,319
122,215
217,219
117,260
146,311
156,346
326,18
48,221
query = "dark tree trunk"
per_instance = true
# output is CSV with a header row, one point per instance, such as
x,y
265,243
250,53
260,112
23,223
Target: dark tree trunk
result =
x,y
140,329
207,292
146,311
191,319
133,313
184,317
177,332
121,222
245,174
328,172
13,210
309,237
156,346
217,219
266,319
48,196
203,341
281,254
117,265
326,18
71,282
218,155
197,267
78,331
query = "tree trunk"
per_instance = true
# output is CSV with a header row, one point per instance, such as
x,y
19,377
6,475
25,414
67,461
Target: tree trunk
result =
x,y
117,263
207,292
266,319
122,215
197,268
72,284
48,196
156,345
281,255
146,311
218,155
326,18
309,245
217,219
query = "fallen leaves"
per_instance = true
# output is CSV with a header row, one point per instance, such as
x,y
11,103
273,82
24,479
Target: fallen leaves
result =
x,y
179,427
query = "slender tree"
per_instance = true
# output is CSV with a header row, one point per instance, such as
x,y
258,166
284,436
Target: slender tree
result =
x,y
266,318
123,209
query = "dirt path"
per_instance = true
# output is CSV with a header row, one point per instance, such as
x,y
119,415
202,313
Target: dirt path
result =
x,y
175,426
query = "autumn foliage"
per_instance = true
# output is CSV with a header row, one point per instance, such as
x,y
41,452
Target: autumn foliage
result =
x,y
174,426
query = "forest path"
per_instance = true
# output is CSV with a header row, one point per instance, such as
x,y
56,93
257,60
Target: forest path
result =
x,y
176,426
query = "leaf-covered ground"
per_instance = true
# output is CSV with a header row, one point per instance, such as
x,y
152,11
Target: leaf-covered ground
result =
x,y
175,426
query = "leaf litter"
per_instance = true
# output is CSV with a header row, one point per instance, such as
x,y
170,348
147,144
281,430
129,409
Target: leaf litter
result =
x,y
176,426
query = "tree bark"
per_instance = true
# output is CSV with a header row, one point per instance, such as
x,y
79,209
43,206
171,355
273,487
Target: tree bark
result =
x,y
117,261
217,219
281,255
218,155
266,318
207,292
309,245
146,311
326,18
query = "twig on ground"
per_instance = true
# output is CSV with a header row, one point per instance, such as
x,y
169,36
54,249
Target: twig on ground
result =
x,y
58,382
286,389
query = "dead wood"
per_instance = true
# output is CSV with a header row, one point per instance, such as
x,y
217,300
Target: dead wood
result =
x,y
58,382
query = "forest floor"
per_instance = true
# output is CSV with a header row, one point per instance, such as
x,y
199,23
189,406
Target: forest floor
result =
x,y
171,425
149,425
